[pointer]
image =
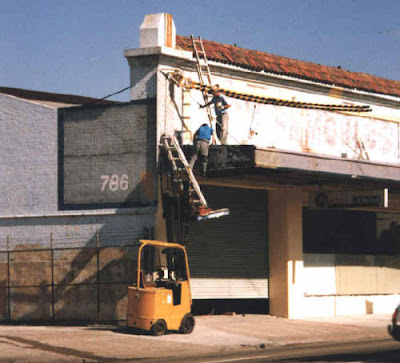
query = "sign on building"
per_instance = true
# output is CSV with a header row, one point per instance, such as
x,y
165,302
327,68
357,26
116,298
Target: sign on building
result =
x,y
107,156
350,199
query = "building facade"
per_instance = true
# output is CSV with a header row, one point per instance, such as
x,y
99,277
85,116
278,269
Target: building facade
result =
x,y
61,258
279,246
313,194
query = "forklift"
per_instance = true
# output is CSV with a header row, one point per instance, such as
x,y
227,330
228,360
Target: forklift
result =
x,y
161,300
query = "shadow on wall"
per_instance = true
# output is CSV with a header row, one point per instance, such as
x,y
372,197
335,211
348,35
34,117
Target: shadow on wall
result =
x,y
77,268
344,232
85,283
389,240
103,151
348,232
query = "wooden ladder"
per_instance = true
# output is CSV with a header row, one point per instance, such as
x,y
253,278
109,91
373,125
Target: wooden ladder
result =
x,y
203,71
178,159
362,152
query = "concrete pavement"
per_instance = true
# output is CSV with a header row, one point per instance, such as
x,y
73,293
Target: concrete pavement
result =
x,y
213,335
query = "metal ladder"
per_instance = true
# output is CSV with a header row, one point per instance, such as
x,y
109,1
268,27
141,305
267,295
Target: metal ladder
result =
x,y
202,67
175,156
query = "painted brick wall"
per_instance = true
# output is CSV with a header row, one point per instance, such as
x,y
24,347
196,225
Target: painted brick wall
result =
x,y
108,155
28,161
73,231
65,283
29,189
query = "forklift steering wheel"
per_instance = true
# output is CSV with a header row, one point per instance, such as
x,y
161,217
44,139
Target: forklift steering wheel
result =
x,y
170,284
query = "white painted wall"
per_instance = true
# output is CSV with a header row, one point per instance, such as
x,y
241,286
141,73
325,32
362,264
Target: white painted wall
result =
x,y
319,274
323,281
298,130
326,306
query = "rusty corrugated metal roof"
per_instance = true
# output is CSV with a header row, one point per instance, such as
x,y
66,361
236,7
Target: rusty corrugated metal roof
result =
x,y
261,61
52,97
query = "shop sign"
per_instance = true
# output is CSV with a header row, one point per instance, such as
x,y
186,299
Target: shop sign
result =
x,y
350,199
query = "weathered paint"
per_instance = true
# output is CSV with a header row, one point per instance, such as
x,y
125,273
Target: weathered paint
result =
x,y
113,302
107,156
297,130
69,284
275,159
76,302
30,303
30,219
28,165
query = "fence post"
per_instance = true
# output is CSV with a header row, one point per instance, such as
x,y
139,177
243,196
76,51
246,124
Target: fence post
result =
x,y
8,279
98,274
52,276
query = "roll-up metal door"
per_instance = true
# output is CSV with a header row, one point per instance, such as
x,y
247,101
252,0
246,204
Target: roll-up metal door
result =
x,y
228,256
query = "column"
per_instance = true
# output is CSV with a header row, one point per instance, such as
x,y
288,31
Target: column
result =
x,y
285,229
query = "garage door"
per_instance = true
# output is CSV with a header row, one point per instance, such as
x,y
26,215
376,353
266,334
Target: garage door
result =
x,y
228,256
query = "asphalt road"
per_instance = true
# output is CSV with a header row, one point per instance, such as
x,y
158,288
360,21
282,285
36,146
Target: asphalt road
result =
x,y
385,350
249,338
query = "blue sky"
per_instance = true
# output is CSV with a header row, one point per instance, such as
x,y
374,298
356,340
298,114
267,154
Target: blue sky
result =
x,y
76,46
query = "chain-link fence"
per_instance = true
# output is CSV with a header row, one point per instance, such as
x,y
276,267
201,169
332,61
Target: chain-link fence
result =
x,y
46,283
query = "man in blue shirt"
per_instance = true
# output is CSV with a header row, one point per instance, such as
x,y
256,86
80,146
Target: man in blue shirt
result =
x,y
221,110
201,142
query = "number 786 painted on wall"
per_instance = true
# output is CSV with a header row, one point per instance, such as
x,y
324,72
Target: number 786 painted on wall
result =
x,y
114,182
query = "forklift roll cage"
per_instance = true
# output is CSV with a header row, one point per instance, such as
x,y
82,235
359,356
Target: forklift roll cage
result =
x,y
143,244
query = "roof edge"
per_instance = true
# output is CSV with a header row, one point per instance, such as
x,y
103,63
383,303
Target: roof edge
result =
x,y
259,61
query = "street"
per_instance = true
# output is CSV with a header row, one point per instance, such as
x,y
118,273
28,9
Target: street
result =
x,y
216,338
368,351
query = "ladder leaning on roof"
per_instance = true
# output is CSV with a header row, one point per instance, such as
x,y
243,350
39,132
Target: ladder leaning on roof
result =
x,y
181,173
175,156
203,71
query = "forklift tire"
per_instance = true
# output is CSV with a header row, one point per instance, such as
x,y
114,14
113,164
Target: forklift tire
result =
x,y
187,324
159,328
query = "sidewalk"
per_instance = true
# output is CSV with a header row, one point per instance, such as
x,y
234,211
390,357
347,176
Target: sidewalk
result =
x,y
212,335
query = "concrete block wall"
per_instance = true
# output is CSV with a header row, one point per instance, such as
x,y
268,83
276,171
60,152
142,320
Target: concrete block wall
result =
x,y
28,163
31,222
69,282
107,157
143,78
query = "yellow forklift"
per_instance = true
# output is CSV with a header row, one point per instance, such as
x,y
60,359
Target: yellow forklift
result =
x,y
161,299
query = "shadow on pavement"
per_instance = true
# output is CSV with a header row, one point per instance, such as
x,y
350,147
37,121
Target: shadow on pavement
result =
x,y
383,356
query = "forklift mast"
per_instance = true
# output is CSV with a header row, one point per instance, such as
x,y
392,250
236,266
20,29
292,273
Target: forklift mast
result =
x,y
182,199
